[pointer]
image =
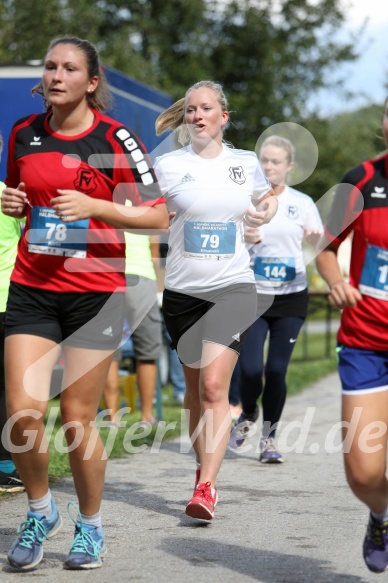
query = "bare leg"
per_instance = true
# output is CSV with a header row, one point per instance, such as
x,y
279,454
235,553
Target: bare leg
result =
x,y
29,361
192,404
112,389
208,402
365,454
84,381
146,375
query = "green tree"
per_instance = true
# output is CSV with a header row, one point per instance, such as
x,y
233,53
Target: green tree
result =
x,y
26,28
344,141
269,56
272,56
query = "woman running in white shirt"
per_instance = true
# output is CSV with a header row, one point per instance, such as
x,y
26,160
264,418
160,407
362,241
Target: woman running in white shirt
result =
x,y
210,298
281,283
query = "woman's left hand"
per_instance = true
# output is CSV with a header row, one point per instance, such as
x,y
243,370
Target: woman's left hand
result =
x,y
263,213
254,218
253,236
72,205
311,236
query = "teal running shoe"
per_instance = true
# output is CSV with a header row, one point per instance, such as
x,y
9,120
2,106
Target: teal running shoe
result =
x,y
88,546
27,550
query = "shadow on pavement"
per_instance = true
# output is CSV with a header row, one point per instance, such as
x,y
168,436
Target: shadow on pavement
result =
x,y
259,564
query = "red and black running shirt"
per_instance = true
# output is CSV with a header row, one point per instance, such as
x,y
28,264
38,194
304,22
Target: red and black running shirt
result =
x,y
108,162
366,325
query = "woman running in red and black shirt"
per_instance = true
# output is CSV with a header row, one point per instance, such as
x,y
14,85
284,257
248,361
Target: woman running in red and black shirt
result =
x,y
363,338
70,171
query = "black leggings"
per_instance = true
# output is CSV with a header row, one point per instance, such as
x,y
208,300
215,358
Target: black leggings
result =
x,y
283,332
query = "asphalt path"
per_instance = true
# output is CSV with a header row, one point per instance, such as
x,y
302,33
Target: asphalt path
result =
x,y
295,522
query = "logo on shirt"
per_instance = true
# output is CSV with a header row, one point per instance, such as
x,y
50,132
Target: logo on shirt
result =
x,y
36,141
108,331
187,178
139,162
236,337
292,212
86,180
236,173
379,192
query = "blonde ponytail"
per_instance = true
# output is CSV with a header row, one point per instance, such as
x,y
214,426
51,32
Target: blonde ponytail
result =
x,y
174,117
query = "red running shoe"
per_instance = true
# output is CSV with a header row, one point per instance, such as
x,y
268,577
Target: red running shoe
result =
x,y
202,503
197,476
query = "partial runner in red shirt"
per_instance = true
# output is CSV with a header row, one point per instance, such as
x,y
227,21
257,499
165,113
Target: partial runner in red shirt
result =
x,y
362,208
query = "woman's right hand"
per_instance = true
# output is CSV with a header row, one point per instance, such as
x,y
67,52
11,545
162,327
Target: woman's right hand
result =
x,y
14,201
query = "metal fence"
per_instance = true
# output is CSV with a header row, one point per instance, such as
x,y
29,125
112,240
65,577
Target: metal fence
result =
x,y
327,325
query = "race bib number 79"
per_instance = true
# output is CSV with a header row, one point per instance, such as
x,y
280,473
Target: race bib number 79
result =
x,y
205,240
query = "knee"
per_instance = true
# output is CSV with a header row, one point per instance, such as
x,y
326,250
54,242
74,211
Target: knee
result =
x,y
71,416
251,373
77,427
20,420
275,373
213,391
363,477
23,428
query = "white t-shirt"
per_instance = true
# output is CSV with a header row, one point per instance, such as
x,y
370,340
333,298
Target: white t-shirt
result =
x,y
278,262
210,198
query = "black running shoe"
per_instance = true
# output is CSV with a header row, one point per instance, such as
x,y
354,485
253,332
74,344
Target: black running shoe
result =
x,y
11,482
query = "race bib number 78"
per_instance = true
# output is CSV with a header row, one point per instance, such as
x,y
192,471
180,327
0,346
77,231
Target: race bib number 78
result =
x,y
49,236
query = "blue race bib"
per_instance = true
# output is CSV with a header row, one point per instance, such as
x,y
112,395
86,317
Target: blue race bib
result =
x,y
50,236
274,271
204,240
374,275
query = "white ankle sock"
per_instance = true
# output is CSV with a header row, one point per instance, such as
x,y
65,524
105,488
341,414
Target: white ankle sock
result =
x,y
93,520
381,516
41,505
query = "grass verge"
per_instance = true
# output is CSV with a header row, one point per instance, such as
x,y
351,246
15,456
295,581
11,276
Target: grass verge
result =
x,y
125,441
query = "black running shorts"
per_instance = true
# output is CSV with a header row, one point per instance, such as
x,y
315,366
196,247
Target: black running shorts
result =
x,y
221,316
86,320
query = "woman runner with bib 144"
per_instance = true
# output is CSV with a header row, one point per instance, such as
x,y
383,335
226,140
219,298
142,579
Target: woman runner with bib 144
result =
x,y
281,282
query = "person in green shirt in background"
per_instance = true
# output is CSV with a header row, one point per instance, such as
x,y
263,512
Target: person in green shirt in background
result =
x,y
10,229
143,316
144,321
